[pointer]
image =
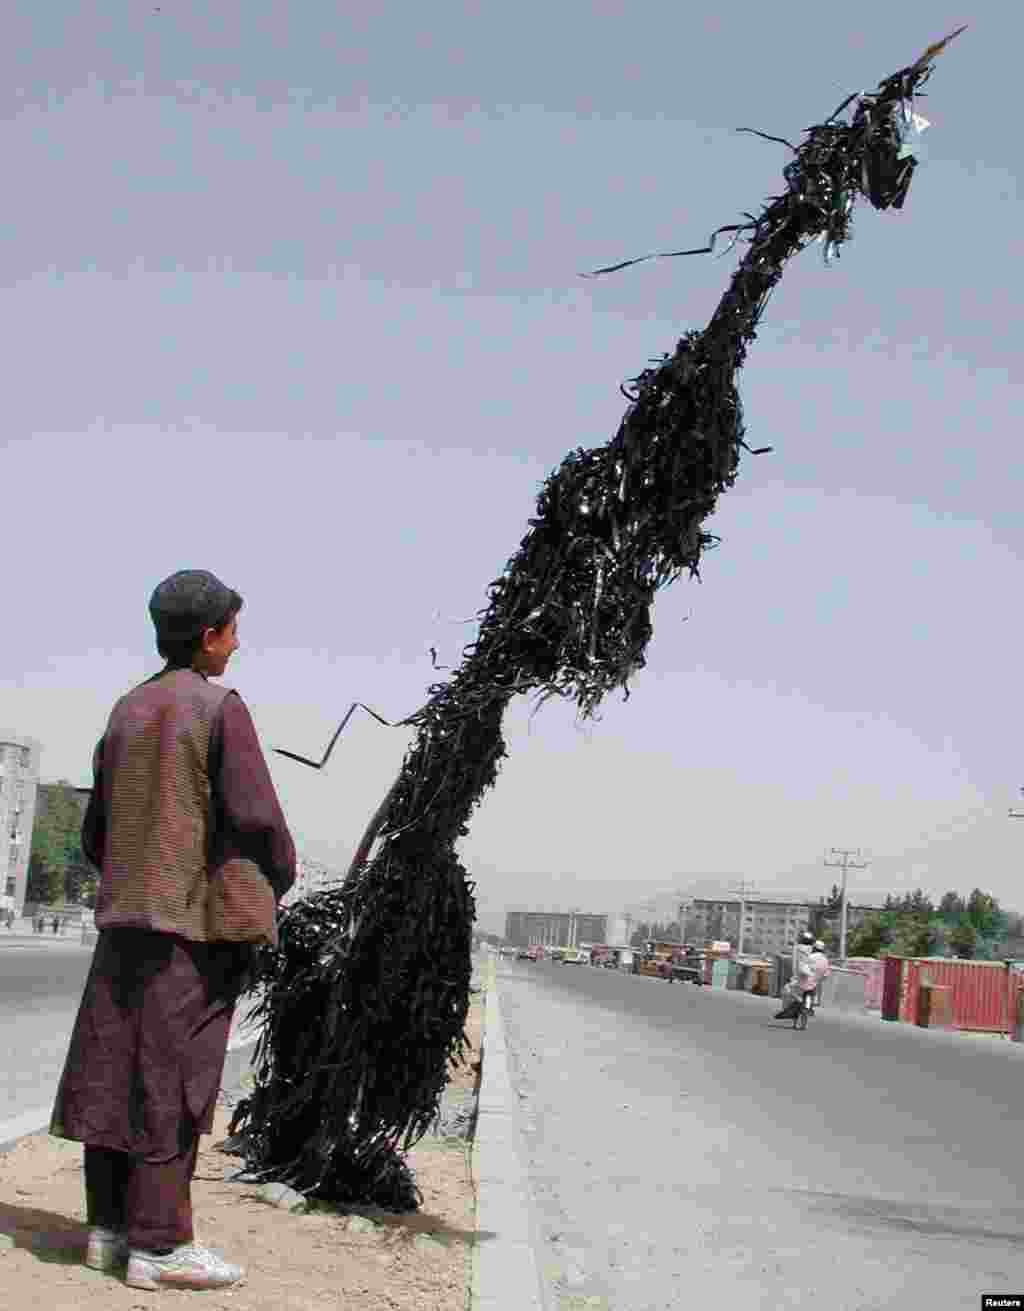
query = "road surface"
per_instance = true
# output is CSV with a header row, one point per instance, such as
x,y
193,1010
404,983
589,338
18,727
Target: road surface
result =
x,y
685,1149
40,989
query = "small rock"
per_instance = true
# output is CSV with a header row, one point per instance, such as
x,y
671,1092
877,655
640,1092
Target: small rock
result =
x,y
358,1224
283,1197
233,1146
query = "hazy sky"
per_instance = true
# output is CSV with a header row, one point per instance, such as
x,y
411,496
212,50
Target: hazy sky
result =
x,y
291,293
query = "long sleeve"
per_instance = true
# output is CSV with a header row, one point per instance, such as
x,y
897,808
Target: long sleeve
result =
x,y
94,825
245,795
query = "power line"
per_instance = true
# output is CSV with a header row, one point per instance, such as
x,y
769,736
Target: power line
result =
x,y
844,863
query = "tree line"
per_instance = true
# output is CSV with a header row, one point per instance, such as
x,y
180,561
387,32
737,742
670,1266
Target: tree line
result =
x,y
974,927
58,871
970,928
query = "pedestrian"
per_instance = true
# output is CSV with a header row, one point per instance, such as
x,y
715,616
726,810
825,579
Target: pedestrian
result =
x,y
56,924
194,857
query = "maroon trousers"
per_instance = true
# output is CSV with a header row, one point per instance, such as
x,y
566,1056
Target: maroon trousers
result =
x,y
141,1078
151,1204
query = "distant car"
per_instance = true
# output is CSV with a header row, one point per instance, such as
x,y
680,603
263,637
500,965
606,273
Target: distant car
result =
x,y
576,958
523,954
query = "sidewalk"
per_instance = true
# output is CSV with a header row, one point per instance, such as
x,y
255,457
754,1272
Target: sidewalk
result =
x,y
22,933
360,1258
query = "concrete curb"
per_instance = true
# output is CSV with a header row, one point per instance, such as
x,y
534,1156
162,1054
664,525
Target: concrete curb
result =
x,y
505,1275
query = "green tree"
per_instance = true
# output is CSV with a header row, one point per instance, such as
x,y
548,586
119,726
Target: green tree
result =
x,y
871,936
984,913
963,938
951,907
914,935
37,885
57,864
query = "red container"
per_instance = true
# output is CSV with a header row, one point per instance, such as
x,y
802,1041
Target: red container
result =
x,y
892,985
983,994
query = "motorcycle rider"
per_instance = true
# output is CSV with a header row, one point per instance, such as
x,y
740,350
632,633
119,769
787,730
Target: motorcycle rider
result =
x,y
819,963
803,980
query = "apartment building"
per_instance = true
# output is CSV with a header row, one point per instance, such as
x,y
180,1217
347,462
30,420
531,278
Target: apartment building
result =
x,y
19,780
529,928
769,927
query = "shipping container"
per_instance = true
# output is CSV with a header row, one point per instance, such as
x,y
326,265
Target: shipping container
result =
x,y
983,993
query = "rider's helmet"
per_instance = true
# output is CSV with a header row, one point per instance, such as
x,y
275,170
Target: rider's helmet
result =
x,y
819,945
806,939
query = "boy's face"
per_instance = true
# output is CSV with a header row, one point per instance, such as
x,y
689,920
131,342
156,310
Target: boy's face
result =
x,y
219,645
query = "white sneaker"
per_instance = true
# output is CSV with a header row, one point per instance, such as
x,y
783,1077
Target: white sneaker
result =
x,y
188,1266
106,1249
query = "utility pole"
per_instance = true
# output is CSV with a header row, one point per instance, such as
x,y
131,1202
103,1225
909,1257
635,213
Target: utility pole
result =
x,y
742,892
844,862
682,911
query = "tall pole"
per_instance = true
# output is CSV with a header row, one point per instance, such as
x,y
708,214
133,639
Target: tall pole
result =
x,y
682,911
845,863
742,890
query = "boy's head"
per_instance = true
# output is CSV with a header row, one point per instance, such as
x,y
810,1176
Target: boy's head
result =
x,y
196,619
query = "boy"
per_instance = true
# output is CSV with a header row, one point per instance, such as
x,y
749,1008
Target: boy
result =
x,y
194,855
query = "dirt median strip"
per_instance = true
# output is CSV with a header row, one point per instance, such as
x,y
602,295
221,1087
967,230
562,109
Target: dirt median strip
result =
x,y
359,1258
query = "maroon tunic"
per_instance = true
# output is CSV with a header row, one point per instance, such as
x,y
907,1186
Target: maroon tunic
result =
x,y
147,1051
185,827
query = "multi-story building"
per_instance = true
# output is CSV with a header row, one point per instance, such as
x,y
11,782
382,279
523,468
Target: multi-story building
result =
x,y
19,779
311,876
532,928
769,927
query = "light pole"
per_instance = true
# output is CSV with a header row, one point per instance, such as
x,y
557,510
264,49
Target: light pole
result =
x,y
844,863
742,890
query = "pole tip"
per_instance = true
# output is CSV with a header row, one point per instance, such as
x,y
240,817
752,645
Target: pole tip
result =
x,y
937,47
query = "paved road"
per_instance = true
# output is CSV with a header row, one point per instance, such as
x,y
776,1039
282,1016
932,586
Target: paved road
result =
x,y
684,1149
40,988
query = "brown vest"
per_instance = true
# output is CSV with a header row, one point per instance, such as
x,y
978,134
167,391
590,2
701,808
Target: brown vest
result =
x,y
167,865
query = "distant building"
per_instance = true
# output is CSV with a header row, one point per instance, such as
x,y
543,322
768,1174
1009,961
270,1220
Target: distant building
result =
x,y
617,930
532,928
19,780
311,876
769,927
